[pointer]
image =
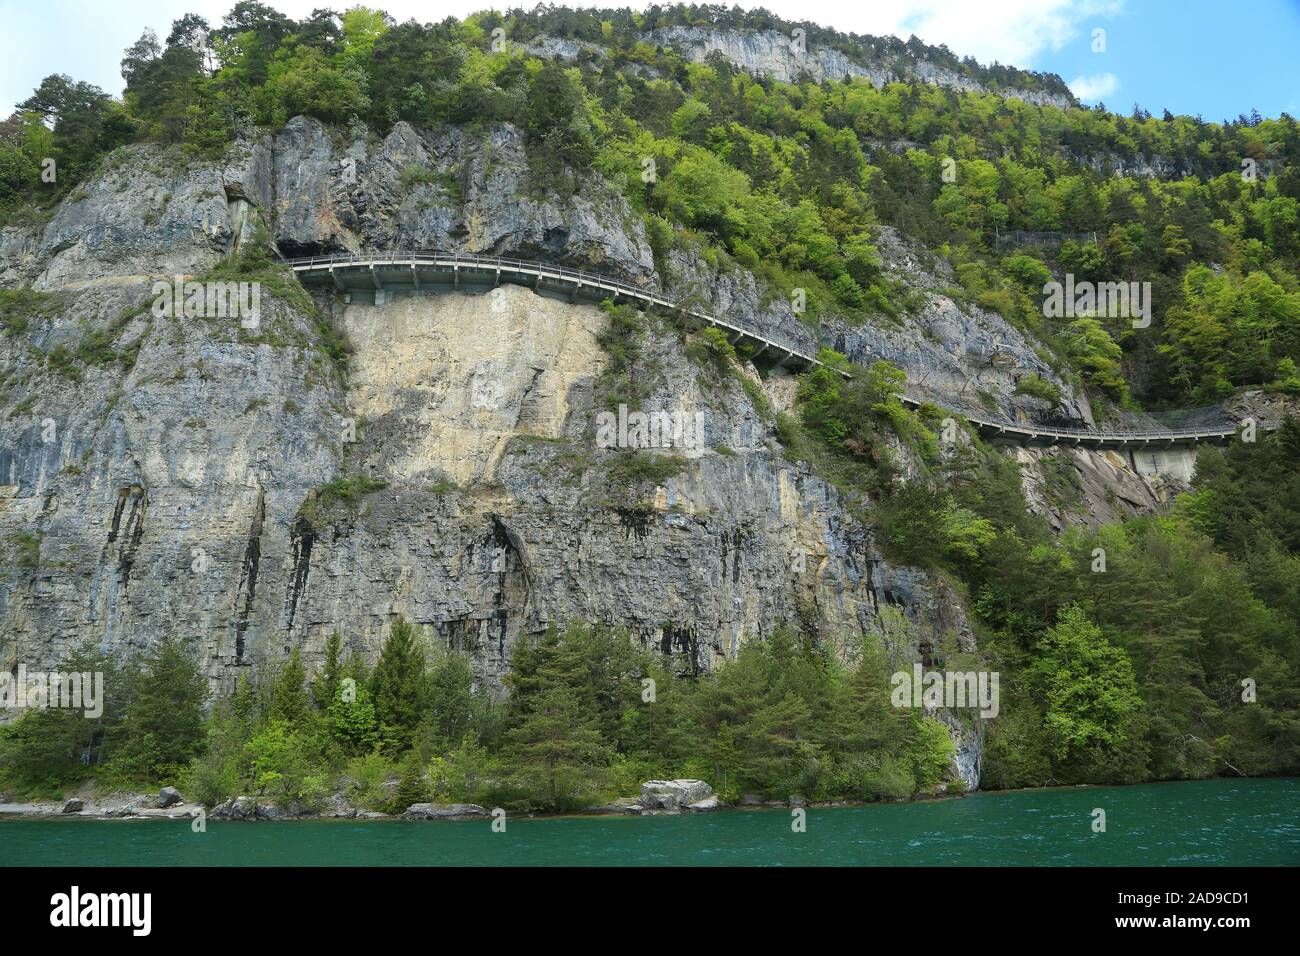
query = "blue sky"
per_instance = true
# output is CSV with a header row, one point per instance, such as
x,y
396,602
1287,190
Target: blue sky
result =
x,y
1212,57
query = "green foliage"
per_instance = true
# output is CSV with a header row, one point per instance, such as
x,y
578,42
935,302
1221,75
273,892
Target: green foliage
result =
x,y
711,349
162,726
48,749
20,307
622,340
283,764
399,685
347,492
636,473
411,789
1097,356
327,685
1089,691
26,550
289,692
305,80
1038,387
352,724
856,418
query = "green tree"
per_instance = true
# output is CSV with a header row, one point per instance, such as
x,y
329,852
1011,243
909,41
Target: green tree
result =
x,y
289,692
163,727
450,698
399,686
557,748
326,686
1089,690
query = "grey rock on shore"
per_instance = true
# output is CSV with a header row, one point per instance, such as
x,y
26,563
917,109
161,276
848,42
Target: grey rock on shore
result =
x,y
444,811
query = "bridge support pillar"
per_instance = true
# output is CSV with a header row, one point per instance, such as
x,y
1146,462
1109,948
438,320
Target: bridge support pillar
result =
x,y
338,282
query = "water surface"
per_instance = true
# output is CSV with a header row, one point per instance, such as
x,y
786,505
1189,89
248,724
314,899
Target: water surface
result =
x,y
1198,823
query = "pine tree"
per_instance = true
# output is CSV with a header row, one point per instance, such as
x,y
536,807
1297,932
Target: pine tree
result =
x,y
289,693
163,728
411,789
557,747
326,687
400,686
450,700
352,723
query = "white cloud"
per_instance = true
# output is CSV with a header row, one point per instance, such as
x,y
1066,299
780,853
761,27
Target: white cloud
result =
x,y
1091,89
1013,32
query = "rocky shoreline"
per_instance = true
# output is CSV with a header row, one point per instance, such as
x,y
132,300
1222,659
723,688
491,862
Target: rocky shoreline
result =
x,y
657,798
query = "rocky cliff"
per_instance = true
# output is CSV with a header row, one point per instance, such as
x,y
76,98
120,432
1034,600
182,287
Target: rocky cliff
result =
x,y
789,58
164,474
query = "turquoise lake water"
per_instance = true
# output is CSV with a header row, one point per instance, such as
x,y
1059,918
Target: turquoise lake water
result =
x,y
1210,822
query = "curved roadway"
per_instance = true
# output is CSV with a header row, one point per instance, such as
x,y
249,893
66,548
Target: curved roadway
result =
x,y
376,272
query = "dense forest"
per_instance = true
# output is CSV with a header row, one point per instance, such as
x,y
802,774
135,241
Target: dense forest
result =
x,y
1132,674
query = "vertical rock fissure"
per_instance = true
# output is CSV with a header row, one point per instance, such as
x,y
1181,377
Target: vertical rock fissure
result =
x,y
303,538
132,533
117,513
248,575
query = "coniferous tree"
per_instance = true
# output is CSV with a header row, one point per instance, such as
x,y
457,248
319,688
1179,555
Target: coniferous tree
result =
x,y
400,686
163,726
289,692
326,686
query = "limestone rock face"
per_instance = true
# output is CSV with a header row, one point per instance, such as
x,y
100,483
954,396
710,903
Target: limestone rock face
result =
x,y
466,375
179,481
1089,488
771,53
960,356
442,189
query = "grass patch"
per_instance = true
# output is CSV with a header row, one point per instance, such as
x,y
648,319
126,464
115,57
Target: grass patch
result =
x,y
347,491
19,307
1035,386
26,550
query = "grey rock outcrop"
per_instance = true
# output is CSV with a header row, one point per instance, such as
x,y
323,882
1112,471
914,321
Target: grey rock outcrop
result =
x,y
441,189
444,811
958,355
179,490
784,58
168,797
676,795
75,805
236,808
1089,488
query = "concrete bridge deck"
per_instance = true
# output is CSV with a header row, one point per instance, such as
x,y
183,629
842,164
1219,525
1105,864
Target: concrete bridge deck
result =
x,y
374,273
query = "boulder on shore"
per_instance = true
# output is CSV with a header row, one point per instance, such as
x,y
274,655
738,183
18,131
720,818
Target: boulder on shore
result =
x,y
74,806
443,811
674,796
236,808
168,797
